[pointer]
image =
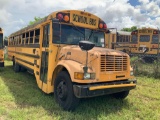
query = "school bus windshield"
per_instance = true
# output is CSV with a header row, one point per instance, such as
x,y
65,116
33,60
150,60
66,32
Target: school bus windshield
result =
x,y
134,39
144,38
155,39
72,35
1,41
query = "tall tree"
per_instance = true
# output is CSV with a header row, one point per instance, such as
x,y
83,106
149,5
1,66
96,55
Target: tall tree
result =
x,y
133,28
36,19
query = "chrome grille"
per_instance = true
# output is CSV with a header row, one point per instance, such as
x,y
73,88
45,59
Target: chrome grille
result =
x,y
113,63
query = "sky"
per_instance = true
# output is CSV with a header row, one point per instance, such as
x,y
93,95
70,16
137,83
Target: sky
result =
x,y
16,14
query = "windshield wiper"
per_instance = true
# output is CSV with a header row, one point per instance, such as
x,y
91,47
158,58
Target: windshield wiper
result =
x,y
93,31
90,35
79,30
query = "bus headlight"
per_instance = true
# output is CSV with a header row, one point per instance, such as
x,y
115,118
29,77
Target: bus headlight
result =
x,y
84,76
131,73
87,76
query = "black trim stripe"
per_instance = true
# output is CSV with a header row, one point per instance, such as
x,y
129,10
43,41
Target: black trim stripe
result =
x,y
133,43
26,54
27,68
122,47
26,45
25,61
153,48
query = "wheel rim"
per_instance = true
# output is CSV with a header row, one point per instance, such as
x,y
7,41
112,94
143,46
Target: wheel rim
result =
x,y
62,91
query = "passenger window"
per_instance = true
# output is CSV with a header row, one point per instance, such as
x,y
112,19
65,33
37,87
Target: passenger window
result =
x,y
56,33
37,33
31,37
27,37
46,31
23,38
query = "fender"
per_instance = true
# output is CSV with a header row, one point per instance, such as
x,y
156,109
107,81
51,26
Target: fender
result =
x,y
71,66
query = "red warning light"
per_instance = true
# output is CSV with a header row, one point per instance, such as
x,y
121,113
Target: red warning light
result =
x,y
60,16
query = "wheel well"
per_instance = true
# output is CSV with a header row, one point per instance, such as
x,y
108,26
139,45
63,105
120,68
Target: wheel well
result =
x,y
58,69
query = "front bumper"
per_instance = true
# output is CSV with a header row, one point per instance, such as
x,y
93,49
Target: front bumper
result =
x,y
92,90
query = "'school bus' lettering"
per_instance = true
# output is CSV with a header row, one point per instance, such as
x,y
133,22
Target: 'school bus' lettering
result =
x,y
145,31
83,19
64,60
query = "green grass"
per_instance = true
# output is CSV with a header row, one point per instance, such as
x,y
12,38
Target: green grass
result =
x,y
143,68
21,99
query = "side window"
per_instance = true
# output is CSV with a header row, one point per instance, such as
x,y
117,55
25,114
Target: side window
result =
x,y
127,38
112,38
23,38
118,38
16,41
27,37
56,33
46,32
20,39
37,33
31,37
13,41
123,38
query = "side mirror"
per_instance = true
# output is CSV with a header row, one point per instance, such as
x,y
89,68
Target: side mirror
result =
x,y
86,45
145,50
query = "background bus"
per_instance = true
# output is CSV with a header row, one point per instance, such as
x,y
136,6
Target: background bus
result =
x,y
145,42
54,50
1,49
118,40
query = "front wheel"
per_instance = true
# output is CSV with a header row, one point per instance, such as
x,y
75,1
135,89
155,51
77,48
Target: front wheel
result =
x,y
120,95
63,92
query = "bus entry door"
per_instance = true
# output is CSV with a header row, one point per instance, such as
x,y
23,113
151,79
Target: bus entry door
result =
x,y
44,54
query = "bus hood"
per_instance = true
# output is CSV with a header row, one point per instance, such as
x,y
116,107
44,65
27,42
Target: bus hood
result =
x,y
75,53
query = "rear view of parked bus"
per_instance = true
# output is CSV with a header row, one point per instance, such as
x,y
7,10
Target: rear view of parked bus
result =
x,y
64,51
118,40
145,42
1,49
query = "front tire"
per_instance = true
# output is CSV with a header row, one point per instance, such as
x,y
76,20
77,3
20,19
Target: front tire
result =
x,y
120,95
63,92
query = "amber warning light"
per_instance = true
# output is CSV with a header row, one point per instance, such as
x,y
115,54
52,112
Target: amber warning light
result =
x,y
155,32
102,25
134,33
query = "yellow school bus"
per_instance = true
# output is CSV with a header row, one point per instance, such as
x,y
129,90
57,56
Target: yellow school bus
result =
x,y
145,42
118,40
1,49
65,52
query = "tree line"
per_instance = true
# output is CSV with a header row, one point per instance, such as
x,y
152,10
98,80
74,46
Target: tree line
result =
x,y
129,29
